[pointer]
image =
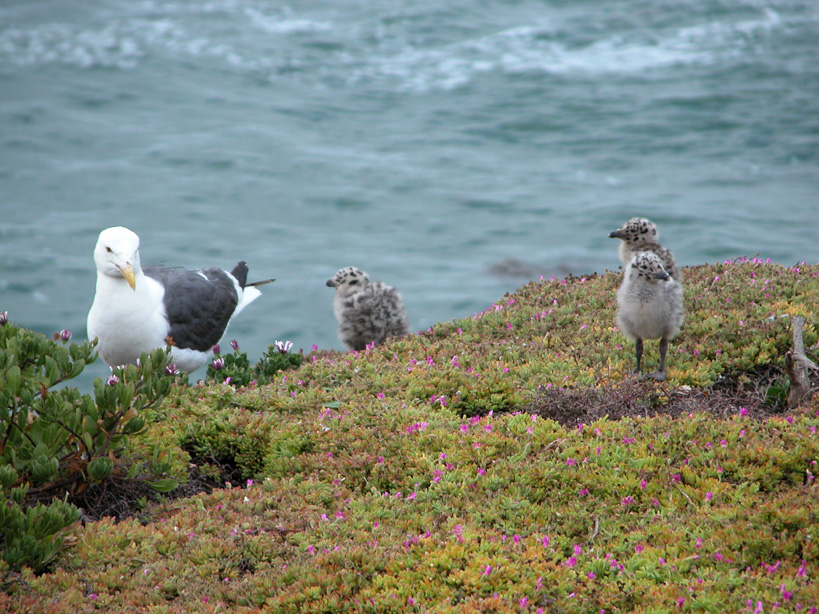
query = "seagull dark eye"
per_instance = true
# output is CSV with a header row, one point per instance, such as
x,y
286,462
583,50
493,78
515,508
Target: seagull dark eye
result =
x,y
109,250
353,282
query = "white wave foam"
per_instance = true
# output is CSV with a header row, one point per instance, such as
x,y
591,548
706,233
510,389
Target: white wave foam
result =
x,y
537,49
62,43
155,28
283,25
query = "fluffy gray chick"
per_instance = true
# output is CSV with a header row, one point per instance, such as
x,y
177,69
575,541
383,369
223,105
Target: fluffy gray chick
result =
x,y
367,312
649,306
640,235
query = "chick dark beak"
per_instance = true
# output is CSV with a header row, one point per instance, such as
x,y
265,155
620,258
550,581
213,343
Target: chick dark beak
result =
x,y
331,283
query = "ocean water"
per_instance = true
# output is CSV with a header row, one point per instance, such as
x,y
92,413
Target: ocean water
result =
x,y
455,150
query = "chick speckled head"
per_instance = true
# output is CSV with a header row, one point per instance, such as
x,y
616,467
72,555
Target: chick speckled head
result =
x,y
637,231
648,266
348,278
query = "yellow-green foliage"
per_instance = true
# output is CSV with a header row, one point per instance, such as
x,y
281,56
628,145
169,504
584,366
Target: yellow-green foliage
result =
x,y
408,478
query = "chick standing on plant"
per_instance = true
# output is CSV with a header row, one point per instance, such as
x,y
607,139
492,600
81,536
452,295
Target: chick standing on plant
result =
x,y
649,306
367,312
640,235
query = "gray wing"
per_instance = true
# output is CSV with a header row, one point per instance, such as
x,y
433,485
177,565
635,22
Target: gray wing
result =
x,y
669,264
393,313
362,322
198,304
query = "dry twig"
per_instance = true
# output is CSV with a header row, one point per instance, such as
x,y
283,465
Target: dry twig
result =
x,y
797,366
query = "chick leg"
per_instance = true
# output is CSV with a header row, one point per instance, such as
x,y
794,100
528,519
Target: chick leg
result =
x,y
660,374
638,352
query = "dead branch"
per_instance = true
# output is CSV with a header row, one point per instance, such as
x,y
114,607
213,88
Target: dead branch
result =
x,y
797,365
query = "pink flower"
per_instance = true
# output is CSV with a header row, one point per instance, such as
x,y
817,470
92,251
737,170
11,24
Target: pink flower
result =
x,y
487,570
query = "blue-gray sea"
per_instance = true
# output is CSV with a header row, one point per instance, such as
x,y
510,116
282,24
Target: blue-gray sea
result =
x,y
455,150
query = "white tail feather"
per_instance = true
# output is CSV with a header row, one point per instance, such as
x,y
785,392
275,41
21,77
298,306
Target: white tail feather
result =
x,y
247,296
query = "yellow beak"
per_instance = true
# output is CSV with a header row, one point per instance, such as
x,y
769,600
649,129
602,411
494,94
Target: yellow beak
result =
x,y
128,273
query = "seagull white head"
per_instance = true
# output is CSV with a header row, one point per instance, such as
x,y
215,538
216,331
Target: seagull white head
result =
x,y
117,254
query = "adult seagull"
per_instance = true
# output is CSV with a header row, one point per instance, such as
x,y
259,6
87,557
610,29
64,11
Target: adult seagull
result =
x,y
139,309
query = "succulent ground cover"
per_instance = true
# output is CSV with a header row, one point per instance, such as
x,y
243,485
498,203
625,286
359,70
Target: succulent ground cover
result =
x,y
503,462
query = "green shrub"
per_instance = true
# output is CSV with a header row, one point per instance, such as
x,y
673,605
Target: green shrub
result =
x,y
55,443
235,368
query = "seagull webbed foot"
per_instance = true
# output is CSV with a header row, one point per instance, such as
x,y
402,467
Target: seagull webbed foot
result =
x,y
657,375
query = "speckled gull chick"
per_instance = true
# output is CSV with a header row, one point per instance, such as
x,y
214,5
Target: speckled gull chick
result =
x,y
649,306
640,235
138,309
367,312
